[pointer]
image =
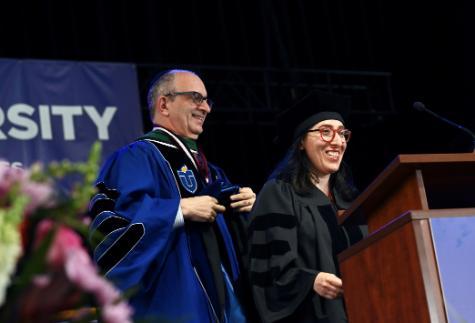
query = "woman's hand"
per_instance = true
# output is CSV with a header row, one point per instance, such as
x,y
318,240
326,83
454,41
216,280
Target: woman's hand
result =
x,y
328,285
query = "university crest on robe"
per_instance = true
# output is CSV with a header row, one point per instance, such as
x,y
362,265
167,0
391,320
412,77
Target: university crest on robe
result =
x,y
187,179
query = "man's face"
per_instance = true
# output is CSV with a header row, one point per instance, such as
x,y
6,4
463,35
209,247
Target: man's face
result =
x,y
186,118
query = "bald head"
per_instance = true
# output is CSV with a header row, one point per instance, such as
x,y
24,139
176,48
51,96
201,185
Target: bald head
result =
x,y
162,85
173,103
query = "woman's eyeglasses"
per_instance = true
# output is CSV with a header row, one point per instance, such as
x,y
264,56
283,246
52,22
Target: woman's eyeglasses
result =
x,y
328,134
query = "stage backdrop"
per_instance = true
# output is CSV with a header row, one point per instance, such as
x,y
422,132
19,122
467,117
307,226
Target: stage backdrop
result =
x,y
54,110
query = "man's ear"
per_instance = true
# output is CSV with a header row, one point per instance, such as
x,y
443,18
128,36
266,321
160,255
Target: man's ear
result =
x,y
162,106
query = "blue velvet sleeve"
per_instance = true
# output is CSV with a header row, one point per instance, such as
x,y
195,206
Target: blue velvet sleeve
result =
x,y
138,225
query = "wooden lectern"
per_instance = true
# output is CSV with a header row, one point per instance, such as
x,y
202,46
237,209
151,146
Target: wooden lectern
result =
x,y
393,275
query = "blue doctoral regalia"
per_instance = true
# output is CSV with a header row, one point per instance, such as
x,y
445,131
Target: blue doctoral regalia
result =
x,y
146,247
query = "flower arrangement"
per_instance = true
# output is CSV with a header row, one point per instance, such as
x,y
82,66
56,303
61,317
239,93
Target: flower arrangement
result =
x,y
46,273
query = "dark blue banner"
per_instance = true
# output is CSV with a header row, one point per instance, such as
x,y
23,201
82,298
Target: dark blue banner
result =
x,y
55,110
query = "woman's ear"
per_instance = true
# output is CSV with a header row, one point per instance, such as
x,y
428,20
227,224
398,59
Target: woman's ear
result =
x,y
301,144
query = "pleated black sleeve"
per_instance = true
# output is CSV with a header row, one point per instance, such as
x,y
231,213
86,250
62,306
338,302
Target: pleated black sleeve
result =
x,y
279,278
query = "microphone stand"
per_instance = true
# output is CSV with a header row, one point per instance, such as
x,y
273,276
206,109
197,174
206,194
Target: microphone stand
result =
x,y
419,106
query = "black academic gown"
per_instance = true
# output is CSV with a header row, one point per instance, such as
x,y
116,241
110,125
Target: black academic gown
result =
x,y
292,239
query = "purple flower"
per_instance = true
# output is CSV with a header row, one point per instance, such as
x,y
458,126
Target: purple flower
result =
x,y
40,194
81,271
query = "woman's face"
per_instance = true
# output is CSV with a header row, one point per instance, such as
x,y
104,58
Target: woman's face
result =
x,y
325,155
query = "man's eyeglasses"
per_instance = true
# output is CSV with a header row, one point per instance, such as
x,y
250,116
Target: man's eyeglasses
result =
x,y
196,97
328,134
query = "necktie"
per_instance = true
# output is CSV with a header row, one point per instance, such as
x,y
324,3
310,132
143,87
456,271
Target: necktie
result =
x,y
202,164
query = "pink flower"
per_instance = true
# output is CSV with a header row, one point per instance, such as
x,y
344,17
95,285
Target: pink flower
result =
x,y
86,220
41,280
40,194
8,176
106,293
117,313
82,272
66,251
64,241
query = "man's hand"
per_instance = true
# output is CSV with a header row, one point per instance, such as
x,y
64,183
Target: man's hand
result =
x,y
200,208
328,285
244,200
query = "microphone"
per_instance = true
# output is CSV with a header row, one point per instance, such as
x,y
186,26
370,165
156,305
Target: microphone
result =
x,y
419,106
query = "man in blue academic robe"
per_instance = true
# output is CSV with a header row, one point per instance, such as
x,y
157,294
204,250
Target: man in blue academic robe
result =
x,y
165,216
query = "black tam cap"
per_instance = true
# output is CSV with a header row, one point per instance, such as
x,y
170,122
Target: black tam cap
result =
x,y
307,111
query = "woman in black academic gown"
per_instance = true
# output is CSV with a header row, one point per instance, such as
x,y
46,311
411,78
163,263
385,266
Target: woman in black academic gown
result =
x,y
294,234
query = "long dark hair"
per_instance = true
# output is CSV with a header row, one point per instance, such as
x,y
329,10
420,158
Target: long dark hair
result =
x,y
296,169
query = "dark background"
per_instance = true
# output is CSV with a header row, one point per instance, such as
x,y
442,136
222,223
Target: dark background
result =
x,y
256,57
